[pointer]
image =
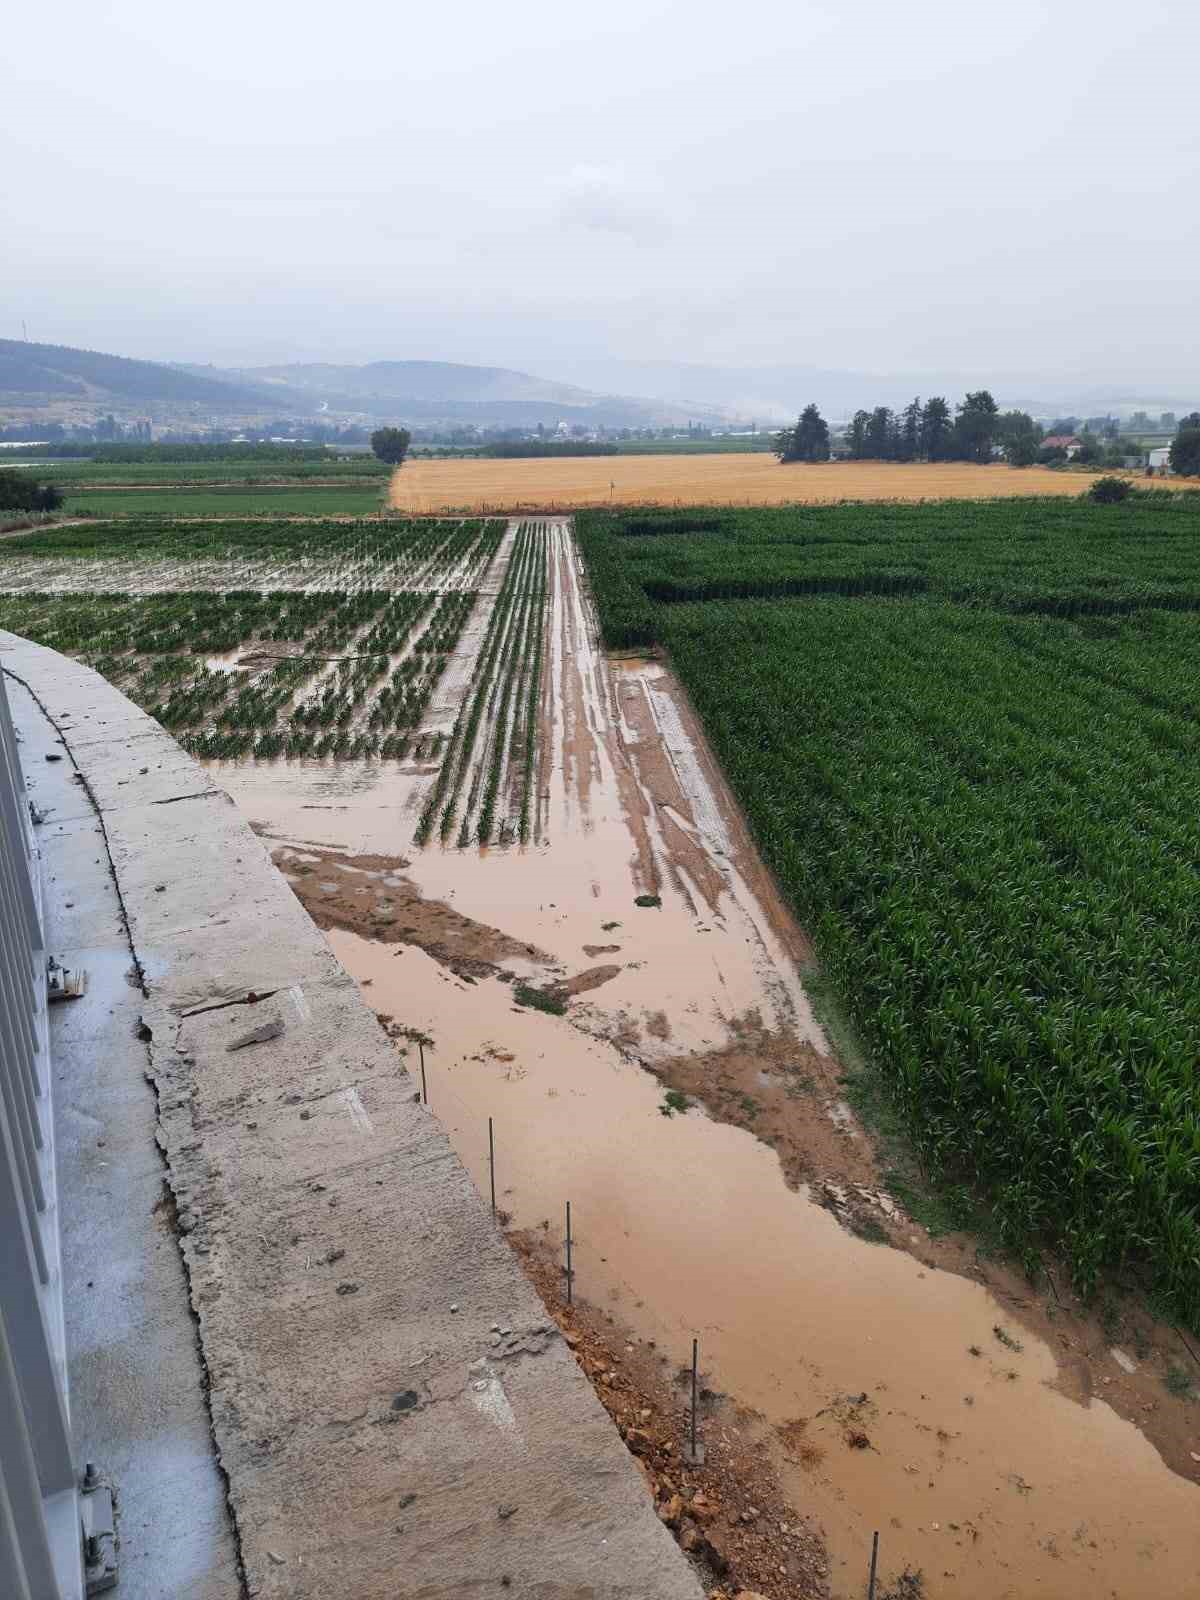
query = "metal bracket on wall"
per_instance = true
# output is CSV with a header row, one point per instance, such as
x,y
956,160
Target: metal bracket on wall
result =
x,y
63,983
99,1532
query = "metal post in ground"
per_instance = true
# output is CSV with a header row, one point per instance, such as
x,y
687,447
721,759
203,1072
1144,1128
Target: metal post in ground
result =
x,y
874,1565
424,1090
570,1273
492,1163
693,1450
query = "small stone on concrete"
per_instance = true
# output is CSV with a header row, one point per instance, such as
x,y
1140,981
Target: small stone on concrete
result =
x,y
270,1029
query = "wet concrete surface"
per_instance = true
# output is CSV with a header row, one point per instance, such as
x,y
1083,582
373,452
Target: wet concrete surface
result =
x,y
136,1379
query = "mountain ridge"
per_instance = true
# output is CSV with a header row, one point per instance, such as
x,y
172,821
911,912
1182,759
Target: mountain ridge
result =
x,y
66,372
51,379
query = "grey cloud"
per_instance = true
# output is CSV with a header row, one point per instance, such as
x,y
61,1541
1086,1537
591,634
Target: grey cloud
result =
x,y
869,187
603,198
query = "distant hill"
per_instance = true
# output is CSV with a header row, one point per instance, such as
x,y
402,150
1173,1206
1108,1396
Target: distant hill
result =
x,y
424,382
31,374
444,391
52,379
47,377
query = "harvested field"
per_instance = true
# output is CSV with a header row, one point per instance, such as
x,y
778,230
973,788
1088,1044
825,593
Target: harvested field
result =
x,y
726,479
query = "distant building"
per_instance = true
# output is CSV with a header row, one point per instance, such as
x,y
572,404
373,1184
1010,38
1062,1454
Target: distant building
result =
x,y
1159,459
1063,441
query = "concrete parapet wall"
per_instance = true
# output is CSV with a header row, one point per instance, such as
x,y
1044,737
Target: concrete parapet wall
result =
x,y
379,1437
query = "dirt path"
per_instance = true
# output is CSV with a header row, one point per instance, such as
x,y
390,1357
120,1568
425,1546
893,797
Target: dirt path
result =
x,y
43,527
990,1462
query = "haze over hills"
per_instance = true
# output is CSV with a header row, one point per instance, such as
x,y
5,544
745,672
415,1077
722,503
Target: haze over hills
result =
x,y
58,382
776,393
440,391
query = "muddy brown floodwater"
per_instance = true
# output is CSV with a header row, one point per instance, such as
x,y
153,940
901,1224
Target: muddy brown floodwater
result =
x,y
991,1464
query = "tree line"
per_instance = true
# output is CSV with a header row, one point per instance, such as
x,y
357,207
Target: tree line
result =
x,y
975,430
923,431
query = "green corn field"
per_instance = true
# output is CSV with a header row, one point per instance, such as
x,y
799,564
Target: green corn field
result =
x,y
967,738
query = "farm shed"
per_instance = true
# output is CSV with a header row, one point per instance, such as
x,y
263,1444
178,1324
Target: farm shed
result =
x,y
1063,441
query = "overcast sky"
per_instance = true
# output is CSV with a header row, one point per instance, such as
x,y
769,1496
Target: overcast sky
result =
x,y
879,186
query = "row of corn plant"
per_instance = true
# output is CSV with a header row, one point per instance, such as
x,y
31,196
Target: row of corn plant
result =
x,y
1056,557
441,804
526,622
988,823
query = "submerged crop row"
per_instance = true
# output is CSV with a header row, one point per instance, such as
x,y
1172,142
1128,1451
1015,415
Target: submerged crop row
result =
x,y
491,757
397,542
284,673
326,649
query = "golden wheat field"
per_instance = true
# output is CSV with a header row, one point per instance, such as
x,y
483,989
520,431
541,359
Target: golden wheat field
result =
x,y
727,479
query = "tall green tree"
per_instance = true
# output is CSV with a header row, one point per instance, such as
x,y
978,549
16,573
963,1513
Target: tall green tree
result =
x,y
881,429
1019,437
807,441
1185,447
1090,449
935,429
856,434
391,444
975,427
908,445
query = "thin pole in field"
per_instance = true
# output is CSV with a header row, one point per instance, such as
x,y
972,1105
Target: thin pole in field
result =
x,y
570,1274
695,1387
424,1090
492,1163
874,1564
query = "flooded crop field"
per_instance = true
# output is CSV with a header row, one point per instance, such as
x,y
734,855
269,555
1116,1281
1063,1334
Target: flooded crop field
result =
x,y
553,902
